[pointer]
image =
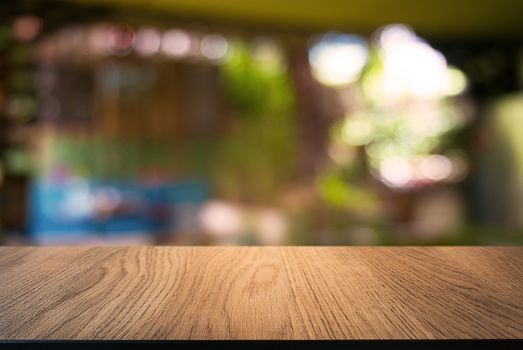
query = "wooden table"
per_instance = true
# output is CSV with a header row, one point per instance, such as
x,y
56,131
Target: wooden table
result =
x,y
158,293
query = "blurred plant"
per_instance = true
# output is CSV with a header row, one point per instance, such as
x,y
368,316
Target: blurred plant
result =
x,y
401,117
342,190
256,156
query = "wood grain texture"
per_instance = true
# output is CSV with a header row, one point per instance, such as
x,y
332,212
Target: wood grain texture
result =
x,y
261,293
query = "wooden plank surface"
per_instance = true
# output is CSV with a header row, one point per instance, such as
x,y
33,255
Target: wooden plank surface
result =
x,y
261,293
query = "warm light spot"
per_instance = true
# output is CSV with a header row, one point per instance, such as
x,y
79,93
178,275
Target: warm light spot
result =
x,y
435,167
220,218
271,226
120,39
338,59
396,172
147,41
357,130
176,43
26,28
97,40
214,46
456,81
395,34
459,168
411,67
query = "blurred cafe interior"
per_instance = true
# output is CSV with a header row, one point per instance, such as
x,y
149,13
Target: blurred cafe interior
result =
x,y
261,122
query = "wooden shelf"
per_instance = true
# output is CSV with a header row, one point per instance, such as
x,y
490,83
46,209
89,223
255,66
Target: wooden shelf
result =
x,y
213,293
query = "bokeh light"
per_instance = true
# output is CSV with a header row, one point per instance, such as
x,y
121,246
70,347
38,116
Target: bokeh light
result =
x,y
27,27
435,167
268,54
220,218
338,59
120,39
456,81
411,67
358,129
396,172
271,226
147,42
98,41
214,46
176,43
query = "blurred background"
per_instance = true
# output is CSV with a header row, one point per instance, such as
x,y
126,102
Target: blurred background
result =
x,y
270,122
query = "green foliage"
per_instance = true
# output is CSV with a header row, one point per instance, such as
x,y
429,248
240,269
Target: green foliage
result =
x,y
256,85
339,191
255,157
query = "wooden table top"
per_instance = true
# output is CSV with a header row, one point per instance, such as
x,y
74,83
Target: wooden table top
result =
x,y
157,293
